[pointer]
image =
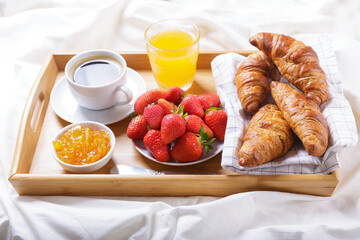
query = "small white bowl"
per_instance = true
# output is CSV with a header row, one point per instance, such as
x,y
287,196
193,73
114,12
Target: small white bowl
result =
x,y
88,167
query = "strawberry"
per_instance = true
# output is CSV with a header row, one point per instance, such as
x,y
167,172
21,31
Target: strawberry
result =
x,y
189,147
208,100
137,128
216,119
167,106
153,115
194,123
156,147
192,106
174,95
147,98
173,126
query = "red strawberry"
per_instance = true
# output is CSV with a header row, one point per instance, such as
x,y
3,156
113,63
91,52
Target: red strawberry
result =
x,y
194,123
216,119
174,95
167,106
137,128
189,147
153,115
156,147
173,126
192,106
147,98
208,100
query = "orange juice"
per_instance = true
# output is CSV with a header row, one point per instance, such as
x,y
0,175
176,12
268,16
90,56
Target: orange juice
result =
x,y
173,56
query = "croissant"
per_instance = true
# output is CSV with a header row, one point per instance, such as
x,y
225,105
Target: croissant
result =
x,y
253,80
298,63
304,117
267,137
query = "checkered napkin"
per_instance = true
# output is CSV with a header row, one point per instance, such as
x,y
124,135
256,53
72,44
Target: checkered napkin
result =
x,y
336,110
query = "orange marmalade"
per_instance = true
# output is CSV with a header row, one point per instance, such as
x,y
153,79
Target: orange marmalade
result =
x,y
81,145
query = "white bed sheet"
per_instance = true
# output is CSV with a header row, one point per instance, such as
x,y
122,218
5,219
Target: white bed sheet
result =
x,y
29,30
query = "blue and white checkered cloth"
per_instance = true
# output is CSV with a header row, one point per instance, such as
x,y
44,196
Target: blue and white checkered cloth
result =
x,y
336,110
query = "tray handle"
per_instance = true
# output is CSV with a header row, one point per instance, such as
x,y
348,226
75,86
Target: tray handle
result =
x,y
33,117
37,112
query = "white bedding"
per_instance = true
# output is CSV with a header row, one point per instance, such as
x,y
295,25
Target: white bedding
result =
x,y
29,30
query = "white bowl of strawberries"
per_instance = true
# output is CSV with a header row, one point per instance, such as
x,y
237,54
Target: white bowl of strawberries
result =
x,y
176,128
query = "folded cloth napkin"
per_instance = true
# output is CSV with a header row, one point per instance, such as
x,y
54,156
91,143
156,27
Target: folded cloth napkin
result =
x,y
336,110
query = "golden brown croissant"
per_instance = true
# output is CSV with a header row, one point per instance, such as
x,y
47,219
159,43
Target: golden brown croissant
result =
x,y
267,137
253,80
298,63
304,117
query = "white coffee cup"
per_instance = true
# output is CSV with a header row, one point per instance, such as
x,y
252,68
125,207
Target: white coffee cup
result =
x,y
97,79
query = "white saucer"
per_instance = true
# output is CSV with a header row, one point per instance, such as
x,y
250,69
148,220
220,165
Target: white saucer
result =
x,y
218,146
66,107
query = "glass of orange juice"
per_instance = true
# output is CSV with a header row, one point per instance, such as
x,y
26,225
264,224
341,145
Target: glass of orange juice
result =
x,y
173,49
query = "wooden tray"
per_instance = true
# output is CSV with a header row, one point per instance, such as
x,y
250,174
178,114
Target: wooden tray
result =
x,y
35,172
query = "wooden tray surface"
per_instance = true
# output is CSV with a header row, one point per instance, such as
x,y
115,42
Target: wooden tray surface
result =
x,y
35,172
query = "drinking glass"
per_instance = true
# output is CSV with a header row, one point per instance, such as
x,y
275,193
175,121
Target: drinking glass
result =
x,y
173,49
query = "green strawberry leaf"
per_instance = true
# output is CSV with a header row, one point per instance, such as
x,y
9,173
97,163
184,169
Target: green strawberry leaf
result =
x,y
174,108
203,139
207,149
133,115
212,108
206,135
182,96
180,110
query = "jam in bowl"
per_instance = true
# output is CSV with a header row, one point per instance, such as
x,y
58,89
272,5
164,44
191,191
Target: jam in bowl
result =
x,y
83,147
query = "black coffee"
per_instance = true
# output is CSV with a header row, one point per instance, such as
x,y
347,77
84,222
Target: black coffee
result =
x,y
97,72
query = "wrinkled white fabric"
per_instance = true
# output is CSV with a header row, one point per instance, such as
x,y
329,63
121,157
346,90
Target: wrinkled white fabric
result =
x,y
29,30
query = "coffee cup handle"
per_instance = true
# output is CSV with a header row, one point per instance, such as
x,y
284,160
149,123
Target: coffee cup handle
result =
x,y
127,92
